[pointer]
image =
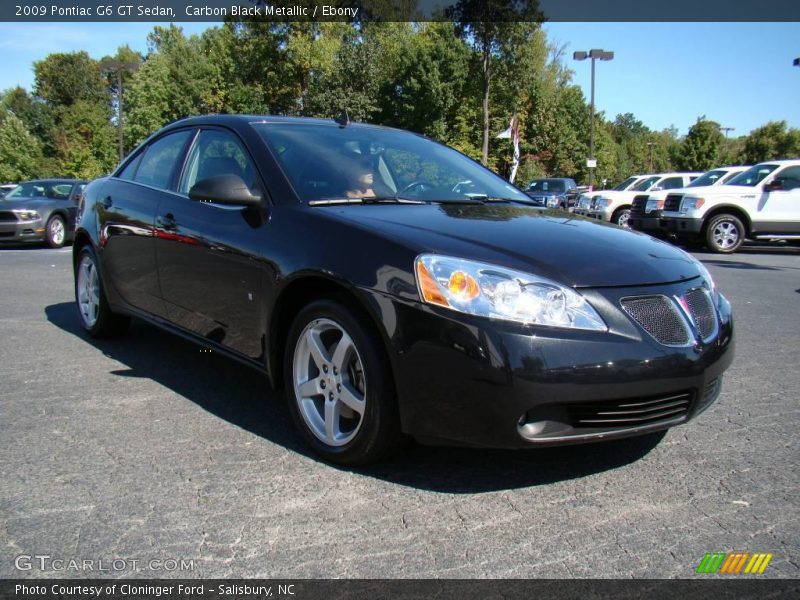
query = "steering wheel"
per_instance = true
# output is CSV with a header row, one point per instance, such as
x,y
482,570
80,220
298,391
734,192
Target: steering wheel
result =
x,y
415,184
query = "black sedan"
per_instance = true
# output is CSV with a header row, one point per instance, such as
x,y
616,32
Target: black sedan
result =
x,y
40,210
397,289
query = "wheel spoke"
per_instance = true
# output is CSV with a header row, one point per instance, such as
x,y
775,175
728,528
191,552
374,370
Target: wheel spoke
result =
x,y
309,388
332,413
318,352
342,352
351,399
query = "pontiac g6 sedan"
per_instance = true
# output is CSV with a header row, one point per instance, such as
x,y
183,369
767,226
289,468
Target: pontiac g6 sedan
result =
x,y
397,289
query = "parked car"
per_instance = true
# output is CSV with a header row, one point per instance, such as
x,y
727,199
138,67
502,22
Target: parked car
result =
x,y
394,287
761,203
40,210
646,208
587,199
5,188
615,207
553,192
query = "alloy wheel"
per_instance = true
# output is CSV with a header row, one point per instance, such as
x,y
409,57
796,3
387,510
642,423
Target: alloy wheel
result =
x,y
725,235
57,231
329,382
88,287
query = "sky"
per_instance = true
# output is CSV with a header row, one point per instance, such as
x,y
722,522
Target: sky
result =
x,y
667,74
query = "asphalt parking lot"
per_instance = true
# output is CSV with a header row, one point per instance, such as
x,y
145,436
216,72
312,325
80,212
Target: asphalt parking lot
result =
x,y
147,448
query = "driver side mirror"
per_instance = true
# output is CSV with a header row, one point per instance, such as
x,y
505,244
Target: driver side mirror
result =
x,y
656,188
774,185
224,189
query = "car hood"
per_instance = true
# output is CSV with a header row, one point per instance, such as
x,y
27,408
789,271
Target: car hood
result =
x,y
724,190
571,250
541,193
23,203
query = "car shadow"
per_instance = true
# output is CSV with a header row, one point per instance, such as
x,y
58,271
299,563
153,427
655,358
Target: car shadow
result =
x,y
237,393
733,264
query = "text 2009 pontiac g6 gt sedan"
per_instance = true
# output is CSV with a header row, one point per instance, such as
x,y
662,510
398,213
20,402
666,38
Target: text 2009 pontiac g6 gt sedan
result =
x,y
396,288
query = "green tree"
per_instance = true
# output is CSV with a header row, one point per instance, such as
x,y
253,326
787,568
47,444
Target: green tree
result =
x,y
770,142
63,79
37,116
20,152
494,29
702,147
85,142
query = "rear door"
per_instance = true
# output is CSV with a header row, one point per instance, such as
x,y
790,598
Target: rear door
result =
x,y
126,217
209,255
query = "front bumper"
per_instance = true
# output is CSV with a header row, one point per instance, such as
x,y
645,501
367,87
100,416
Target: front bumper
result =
x,y
648,224
477,382
16,232
600,215
683,226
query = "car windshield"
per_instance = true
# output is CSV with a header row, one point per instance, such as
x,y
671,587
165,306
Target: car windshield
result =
x,y
645,184
707,179
328,162
625,184
547,185
753,175
55,190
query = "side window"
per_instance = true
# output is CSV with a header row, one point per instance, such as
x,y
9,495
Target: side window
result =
x,y
217,153
160,159
670,183
130,169
790,177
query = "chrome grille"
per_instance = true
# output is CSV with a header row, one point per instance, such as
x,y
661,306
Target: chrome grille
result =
x,y
702,311
638,205
659,317
630,412
673,202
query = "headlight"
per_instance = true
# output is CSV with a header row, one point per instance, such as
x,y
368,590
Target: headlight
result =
x,y
602,203
490,291
688,204
27,215
553,201
653,205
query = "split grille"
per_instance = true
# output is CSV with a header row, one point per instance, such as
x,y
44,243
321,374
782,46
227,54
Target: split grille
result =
x,y
702,312
7,216
630,413
659,317
638,205
673,202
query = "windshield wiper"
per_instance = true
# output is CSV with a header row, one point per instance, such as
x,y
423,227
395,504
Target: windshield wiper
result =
x,y
365,200
500,199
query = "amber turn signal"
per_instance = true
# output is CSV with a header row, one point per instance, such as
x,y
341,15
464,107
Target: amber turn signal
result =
x,y
428,287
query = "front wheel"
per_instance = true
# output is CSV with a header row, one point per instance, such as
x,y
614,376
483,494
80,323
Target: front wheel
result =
x,y
339,386
621,218
96,316
724,234
56,231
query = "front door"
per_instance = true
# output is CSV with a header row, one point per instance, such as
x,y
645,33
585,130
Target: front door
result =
x,y
209,254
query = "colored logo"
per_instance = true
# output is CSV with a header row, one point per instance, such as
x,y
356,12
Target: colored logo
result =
x,y
734,563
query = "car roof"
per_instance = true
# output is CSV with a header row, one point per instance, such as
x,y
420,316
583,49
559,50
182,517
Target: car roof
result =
x,y
782,162
248,119
55,180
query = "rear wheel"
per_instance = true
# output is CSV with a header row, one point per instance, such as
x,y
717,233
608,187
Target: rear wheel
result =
x,y
96,316
56,231
621,217
339,386
724,234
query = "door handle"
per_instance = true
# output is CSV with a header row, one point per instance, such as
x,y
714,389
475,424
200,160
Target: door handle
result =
x,y
167,222
107,202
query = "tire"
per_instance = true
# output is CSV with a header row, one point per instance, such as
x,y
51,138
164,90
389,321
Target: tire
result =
x,y
95,315
724,234
326,381
621,217
56,231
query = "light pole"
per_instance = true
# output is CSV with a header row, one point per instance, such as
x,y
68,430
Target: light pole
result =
x,y
118,66
727,130
594,55
650,160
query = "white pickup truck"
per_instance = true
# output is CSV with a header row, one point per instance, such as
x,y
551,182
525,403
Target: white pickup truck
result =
x,y
615,206
646,208
586,199
761,203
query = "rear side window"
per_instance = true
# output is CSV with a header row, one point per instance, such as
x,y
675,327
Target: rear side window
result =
x,y
790,177
130,169
160,159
